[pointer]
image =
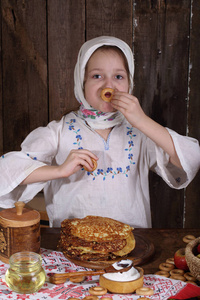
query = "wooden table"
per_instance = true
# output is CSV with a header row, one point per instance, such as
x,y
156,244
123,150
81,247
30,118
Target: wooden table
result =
x,y
166,242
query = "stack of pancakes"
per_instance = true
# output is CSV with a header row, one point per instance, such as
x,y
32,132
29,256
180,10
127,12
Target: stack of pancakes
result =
x,y
95,238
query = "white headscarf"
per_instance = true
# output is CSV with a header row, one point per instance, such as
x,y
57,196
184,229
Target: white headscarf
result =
x,y
97,119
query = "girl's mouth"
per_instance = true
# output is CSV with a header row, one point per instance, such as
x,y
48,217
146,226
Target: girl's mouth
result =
x,y
108,95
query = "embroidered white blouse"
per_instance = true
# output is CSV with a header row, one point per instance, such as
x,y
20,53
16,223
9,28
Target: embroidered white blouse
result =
x,y
118,188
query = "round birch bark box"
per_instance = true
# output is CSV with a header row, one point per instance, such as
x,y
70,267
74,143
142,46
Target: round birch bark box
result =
x,y
19,231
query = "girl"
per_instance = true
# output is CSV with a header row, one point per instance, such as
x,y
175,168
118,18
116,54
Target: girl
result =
x,y
124,141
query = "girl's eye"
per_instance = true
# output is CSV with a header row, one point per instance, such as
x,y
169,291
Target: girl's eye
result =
x,y
96,76
119,76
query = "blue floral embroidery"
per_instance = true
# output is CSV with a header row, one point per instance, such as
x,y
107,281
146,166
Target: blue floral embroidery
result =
x,y
109,171
2,156
34,158
78,136
130,144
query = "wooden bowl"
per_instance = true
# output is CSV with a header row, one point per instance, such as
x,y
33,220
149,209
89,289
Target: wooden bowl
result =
x,y
192,260
119,287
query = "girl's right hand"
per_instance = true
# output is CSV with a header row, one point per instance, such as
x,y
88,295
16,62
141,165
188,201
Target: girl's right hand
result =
x,y
76,160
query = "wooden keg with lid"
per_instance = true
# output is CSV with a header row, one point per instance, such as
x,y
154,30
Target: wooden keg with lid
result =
x,y
19,231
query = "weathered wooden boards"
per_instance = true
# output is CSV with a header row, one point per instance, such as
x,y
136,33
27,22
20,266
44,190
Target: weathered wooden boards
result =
x,y
161,82
193,122
24,69
66,34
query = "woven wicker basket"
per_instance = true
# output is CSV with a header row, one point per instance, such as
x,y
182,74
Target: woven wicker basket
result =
x,y
193,261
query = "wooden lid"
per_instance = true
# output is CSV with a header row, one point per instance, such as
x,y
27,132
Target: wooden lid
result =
x,y
19,216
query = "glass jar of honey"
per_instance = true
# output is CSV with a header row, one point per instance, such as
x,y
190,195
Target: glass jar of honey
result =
x,y
25,274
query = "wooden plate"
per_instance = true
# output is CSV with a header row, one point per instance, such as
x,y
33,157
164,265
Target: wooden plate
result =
x,y
143,251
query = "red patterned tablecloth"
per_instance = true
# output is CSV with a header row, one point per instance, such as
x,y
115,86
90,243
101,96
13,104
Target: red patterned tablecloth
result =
x,y
54,261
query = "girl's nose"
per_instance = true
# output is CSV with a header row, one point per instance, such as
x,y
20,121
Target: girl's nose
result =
x,y
109,83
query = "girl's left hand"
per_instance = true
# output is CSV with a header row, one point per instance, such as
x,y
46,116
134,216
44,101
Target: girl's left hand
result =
x,y
129,106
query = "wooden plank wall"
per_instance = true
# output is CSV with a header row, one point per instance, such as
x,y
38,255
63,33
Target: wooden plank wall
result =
x,y
39,46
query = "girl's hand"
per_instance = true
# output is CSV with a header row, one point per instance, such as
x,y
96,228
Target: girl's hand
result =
x,y
76,160
130,107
